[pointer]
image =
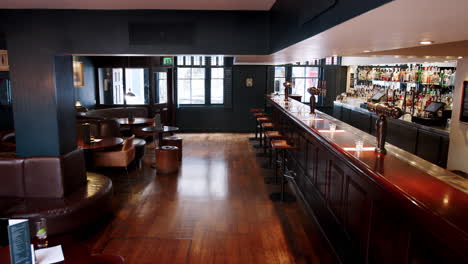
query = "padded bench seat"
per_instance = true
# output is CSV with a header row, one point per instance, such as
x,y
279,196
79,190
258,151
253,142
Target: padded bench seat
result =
x,y
81,207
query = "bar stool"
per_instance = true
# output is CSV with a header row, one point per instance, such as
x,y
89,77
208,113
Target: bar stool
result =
x,y
264,127
167,159
269,136
174,141
260,121
257,115
282,146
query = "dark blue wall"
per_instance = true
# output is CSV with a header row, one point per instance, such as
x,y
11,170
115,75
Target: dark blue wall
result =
x,y
87,93
157,32
286,19
236,118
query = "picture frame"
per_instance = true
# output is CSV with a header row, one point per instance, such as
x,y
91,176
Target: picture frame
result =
x,y
78,74
4,66
249,82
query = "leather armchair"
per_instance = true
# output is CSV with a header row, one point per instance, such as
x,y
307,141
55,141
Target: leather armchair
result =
x,y
109,128
120,158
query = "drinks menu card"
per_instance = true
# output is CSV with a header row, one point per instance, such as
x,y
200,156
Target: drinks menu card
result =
x,y
15,233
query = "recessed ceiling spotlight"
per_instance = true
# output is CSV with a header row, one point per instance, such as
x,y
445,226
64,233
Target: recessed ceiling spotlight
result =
x,y
426,42
460,57
366,51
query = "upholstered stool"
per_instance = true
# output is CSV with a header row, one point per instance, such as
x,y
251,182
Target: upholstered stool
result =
x,y
167,159
139,145
280,147
174,141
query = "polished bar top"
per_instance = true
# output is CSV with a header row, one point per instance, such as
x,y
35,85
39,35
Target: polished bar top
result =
x,y
420,182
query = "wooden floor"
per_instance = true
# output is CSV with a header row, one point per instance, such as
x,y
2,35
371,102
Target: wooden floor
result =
x,y
215,210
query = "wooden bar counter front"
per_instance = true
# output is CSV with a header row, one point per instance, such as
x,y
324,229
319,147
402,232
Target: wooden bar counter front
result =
x,y
373,208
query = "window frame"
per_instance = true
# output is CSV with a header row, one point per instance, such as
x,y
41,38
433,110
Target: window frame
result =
x,y
124,86
207,64
305,78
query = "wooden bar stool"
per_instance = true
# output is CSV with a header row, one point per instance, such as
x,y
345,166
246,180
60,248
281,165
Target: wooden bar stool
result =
x,y
282,146
264,127
167,159
257,115
260,121
269,136
174,141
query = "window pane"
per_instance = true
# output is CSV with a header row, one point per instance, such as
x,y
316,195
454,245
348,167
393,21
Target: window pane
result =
x,y
198,73
135,84
180,60
217,73
298,87
198,92
312,72
298,72
184,73
117,86
279,87
280,72
183,87
196,60
162,87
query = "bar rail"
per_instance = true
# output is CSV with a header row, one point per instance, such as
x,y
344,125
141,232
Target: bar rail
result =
x,y
373,208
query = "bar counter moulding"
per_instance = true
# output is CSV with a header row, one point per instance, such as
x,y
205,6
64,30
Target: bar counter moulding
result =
x,y
4,66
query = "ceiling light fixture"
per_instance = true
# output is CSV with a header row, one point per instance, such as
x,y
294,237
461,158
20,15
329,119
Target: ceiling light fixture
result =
x,y
460,57
366,51
426,42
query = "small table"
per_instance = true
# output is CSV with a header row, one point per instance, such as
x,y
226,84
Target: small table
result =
x,y
158,132
107,142
136,121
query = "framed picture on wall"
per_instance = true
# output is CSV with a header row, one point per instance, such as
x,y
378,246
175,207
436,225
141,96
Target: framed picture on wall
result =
x,y
249,82
4,60
464,103
78,75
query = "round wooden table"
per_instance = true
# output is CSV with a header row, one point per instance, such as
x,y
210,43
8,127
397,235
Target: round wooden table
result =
x,y
136,121
107,142
158,132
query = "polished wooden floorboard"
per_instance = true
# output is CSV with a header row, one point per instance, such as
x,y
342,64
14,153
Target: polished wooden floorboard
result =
x,y
214,210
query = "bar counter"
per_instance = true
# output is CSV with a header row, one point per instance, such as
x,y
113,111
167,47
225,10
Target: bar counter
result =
x,y
428,142
374,208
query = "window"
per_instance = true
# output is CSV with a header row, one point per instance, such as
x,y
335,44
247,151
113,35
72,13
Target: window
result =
x,y
303,78
135,85
200,80
191,85
161,87
117,87
217,85
280,78
121,86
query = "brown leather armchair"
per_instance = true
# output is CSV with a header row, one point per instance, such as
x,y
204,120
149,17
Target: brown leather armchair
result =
x,y
120,158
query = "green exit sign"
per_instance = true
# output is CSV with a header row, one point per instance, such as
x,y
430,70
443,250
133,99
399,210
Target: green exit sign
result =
x,y
168,61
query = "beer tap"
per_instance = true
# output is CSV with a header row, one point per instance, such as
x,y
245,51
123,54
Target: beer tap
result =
x,y
383,110
312,91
